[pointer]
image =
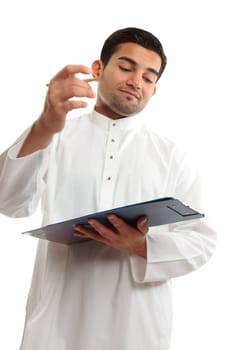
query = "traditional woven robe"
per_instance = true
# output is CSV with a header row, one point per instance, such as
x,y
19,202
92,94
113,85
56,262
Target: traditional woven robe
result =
x,y
89,296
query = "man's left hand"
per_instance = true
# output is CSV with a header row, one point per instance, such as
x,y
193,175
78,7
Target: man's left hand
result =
x,y
121,236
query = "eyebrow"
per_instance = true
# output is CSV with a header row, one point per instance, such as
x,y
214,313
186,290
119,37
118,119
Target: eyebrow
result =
x,y
130,60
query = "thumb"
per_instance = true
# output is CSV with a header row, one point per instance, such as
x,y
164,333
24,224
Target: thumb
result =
x,y
142,225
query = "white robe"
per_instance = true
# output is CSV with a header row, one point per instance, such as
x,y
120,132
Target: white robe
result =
x,y
89,296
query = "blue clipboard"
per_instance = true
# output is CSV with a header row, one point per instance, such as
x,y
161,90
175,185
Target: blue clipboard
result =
x,y
160,211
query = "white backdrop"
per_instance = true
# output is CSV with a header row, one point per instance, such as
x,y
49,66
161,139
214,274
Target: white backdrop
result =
x,y
39,38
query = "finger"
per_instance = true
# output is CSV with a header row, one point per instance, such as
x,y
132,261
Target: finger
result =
x,y
103,230
92,233
87,80
118,223
69,105
72,69
80,234
71,87
83,231
142,225
80,88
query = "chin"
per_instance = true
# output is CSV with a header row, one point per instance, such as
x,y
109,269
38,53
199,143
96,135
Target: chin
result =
x,y
126,112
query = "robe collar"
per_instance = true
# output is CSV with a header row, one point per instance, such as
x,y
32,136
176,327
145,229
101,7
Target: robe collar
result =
x,y
123,123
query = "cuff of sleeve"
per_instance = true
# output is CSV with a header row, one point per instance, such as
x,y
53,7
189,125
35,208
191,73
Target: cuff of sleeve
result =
x,y
15,149
140,267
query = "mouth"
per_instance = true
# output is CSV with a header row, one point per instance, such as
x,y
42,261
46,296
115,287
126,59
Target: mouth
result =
x,y
130,93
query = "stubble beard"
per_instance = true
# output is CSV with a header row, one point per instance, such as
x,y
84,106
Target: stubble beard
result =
x,y
122,106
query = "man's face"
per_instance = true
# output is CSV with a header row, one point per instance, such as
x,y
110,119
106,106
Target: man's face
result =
x,y
128,81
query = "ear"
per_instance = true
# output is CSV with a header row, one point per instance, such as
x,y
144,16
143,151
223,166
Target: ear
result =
x,y
97,68
154,90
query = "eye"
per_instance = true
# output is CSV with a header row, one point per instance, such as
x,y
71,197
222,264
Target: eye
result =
x,y
125,69
147,80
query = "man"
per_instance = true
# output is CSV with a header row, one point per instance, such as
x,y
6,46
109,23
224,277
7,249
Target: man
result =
x,y
114,291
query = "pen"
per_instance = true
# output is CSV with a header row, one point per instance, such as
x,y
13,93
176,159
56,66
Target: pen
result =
x,y
87,80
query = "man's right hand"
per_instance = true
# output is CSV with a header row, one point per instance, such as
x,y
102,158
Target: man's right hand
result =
x,y
61,96
63,90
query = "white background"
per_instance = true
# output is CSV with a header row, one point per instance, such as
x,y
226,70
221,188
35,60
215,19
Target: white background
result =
x,y
190,107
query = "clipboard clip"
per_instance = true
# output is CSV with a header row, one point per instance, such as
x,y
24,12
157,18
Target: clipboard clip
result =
x,y
181,209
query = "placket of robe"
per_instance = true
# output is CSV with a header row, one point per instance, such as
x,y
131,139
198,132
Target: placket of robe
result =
x,y
110,167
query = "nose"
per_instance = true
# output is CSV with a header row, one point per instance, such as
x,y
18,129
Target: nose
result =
x,y
134,81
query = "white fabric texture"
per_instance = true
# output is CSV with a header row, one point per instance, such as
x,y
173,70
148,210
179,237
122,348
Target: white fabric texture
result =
x,y
88,296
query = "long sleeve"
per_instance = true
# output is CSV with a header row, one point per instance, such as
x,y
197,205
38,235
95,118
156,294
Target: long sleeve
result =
x,y
177,249
174,252
21,180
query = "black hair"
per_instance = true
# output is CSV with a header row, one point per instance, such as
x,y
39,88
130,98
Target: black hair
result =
x,y
134,35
